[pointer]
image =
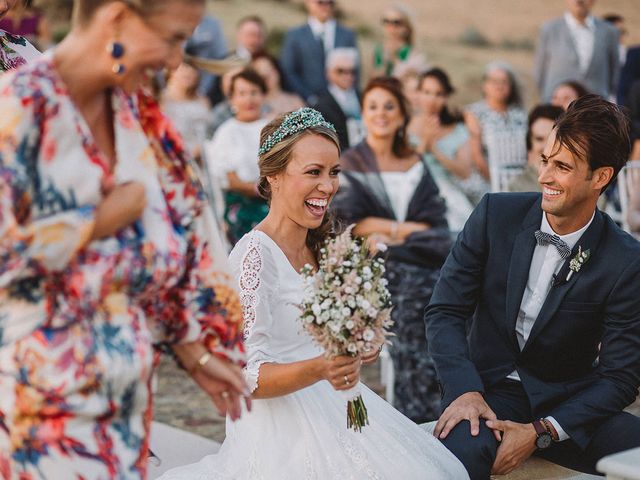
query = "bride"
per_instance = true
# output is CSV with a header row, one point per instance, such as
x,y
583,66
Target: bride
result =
x,y
297,428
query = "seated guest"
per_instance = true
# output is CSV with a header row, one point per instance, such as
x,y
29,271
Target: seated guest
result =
x,y
534,325
497,123
306,47
340,103
251,37
189,111
567,92
208,42
541,121
387,191
397,54
277,100
440,133
232,155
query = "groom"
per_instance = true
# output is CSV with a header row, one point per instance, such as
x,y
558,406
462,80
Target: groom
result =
x,y
548,288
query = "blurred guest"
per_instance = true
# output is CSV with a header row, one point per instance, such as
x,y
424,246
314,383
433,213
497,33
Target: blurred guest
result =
x,y
251,37
411,88
306,47
618,22
277,101
567,92
577,46
28,22
397,54
232,154
340,102
497,118
388,192
107,248
208,42
440,134
189,111
541,121
630,73
443,137
223,110
14,49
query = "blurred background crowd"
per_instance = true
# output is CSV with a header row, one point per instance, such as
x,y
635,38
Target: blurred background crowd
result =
x,y
469,89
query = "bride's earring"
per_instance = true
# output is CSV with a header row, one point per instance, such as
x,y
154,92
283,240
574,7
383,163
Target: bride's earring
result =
x,y
116,50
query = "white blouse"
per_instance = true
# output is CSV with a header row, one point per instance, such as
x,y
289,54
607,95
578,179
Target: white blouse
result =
x,y
400,188
234,148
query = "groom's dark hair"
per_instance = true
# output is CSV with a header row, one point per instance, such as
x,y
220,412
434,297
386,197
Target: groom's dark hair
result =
x,y
596,131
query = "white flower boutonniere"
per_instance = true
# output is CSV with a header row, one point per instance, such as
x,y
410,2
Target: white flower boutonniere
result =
x,y
578,261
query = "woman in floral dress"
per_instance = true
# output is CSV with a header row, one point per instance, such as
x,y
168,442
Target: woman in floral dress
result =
x,y
107,251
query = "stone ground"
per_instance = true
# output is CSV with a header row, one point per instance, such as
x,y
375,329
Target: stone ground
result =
x,y
179,402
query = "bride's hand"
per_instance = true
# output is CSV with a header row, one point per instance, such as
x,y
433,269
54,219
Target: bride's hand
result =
x,y
371,356
343,372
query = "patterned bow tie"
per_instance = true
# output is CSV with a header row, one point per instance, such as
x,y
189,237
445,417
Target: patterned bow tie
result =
x,y
544,238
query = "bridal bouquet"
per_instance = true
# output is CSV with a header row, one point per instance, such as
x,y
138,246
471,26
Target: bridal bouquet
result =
x,y
347,307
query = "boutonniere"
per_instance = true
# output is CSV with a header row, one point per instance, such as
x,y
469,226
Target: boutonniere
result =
x,y
578,261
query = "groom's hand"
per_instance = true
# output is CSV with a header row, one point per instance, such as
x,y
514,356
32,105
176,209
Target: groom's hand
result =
x,y
468,406
518,443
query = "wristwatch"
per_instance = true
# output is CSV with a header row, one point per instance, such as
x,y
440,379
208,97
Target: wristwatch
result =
x,y
544,438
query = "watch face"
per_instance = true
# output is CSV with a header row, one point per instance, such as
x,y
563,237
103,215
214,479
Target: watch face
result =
x,y
543,441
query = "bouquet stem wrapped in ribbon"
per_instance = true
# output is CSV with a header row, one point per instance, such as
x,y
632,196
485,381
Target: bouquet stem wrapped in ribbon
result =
x,y
347,307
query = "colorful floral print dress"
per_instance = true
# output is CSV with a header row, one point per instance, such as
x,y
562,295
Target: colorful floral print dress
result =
x,y
79,321
15,51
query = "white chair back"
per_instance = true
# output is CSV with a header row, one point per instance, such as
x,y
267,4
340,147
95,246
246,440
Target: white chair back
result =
x,y
506,155
628,181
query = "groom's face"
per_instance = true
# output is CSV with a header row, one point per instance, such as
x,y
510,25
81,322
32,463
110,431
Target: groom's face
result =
x,y
570,189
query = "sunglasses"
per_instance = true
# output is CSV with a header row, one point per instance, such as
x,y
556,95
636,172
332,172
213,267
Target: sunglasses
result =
x,y
326,3
345,71
396,22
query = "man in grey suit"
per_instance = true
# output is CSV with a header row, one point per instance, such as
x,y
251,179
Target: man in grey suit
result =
x,y
577,46
305,49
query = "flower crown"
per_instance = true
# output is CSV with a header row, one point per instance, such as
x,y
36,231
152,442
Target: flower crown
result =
x,y
295,122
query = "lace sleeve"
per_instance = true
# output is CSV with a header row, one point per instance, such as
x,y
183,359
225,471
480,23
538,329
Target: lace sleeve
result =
x,y
258,279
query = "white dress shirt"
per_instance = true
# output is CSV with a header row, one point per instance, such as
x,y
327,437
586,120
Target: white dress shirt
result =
x,y
326,31
400,187
545,263
584,35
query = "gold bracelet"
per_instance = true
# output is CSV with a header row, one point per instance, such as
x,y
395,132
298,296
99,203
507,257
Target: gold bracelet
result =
x,y
202,361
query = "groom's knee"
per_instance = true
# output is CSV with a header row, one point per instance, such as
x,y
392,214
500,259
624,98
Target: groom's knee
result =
x,y
477,453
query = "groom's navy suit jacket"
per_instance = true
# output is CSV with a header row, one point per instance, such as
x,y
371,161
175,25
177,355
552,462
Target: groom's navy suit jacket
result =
x,y
581,362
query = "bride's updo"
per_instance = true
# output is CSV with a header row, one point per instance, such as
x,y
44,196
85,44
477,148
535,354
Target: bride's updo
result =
x,y
276,152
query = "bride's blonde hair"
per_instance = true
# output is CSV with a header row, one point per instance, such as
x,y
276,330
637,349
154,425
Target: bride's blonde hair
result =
x,y
275,161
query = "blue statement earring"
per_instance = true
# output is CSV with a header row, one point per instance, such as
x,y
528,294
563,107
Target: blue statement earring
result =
x,y
116,50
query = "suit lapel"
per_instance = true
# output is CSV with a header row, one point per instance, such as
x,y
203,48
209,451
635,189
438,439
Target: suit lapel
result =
x,y
589,241
313,44
599,38
570,40
518,276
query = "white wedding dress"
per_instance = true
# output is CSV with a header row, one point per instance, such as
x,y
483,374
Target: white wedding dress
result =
x,y
304,435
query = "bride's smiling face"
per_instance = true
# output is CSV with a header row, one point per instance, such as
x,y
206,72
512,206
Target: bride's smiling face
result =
x,y
303,192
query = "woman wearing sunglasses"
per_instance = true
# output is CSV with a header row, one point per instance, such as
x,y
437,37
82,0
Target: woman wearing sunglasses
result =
x,y
397,54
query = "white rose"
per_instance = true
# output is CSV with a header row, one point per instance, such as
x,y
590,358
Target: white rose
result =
x,y
368,335
334,326
353,348
326,304
315,308
350,324
365,304
372,312
346,312
367,286
358,280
